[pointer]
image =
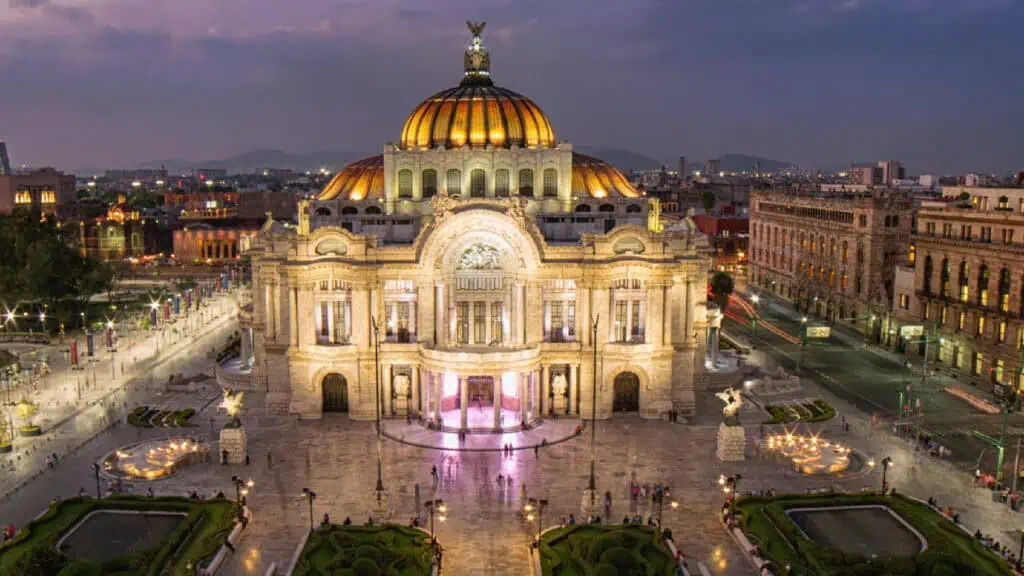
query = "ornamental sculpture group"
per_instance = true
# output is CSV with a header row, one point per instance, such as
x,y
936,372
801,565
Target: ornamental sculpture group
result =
x,y
233,441
732,439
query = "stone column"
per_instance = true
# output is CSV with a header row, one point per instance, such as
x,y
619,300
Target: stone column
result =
x,y
412,321
415,390
497,401
463,403
440,318
506,318
385,388
346,308
610,305
438,381
305,314
641,319
330,319
582,313
520,323
629,320
545,386
292,301
362,332
487,322
688,309
523,399
573,385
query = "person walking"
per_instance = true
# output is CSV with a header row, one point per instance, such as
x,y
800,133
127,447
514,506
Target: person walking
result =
x,y
433,476
270,459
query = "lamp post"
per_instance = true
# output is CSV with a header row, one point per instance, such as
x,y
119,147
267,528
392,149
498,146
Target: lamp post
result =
x,y
661,506
886,462
733,482
380,495
96,473
803,339
753,319
436,505
592,486
538,505
310,495
241,488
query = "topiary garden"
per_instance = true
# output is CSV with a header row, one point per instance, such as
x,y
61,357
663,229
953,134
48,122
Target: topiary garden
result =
x,y
605,550
366,551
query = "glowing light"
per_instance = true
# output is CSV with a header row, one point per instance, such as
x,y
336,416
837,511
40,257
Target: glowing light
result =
x,y
451,384
509,388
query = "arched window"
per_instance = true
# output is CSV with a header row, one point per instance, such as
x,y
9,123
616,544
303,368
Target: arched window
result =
x,y
429,183
606,208
477,183
583,208
373,210
526,182
454,182
632,209
405,183
323,211
501,183
928,274
349,211
846,248
550,182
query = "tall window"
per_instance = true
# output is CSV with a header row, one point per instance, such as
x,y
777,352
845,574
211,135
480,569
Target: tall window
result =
x,y
501,183
637,335
557,322
550,182
1004,290
405,183
571,319
454,182
979,361
1001,335
928,274
477,183
944,278
429,183
324,322
620,320
526,182
480,322
462,323
965,271
983,286
497,310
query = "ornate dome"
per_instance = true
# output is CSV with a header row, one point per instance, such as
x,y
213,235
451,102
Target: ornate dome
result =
x,y
359,180
593,178
476,112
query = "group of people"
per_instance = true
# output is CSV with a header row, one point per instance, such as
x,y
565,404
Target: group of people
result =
x,y
987,541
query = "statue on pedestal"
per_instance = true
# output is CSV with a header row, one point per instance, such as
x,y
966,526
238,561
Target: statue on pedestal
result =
x,y
733,401
232,404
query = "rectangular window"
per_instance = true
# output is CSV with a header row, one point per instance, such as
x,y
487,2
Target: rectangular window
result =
x,y
927,310
477,183
863,220
637,335
454,182
904,301
964,293
479,322
501,183
324,324
571,320
462,323
403,321
23,197
961,321
981,326
979,360
983,297
1002,331
550,182
620,320
497,314
342,310
556,322
48,197
1004,302
998,376
405,183
943,315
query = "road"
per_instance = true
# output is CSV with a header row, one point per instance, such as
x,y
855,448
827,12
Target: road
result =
x,y
871,378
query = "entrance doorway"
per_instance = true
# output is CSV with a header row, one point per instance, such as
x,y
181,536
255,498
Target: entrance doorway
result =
x,y
627,393
335,393
481,391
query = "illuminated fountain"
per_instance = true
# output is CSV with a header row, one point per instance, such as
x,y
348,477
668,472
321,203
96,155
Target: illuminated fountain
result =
x,y
153,459
812,455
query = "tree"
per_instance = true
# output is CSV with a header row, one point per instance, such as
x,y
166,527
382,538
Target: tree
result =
x,y
721,288
708,200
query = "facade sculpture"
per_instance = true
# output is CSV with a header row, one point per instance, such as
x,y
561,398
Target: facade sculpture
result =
x,y
483,248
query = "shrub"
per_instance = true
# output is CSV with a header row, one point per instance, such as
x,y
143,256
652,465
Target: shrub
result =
x,y
41,561
365,567
599,545
81,568
606,570
367,551
618,557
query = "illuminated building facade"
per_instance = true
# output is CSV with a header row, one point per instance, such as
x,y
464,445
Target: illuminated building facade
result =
x,y
483,250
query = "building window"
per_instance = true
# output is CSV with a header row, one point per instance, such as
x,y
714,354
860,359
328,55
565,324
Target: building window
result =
x,y
571,321
961,320
1008,235
942,316
904,301
636,335
454,182
462,323
979,360
479,322
429,183
23,197
927,310
927,288
1004,290
997,375
980,326
620,320
497,312
983,285
556,334
912,255
550,182
944,277
477,183
863,220
405,183
501,183
526,182
47,197
1001,335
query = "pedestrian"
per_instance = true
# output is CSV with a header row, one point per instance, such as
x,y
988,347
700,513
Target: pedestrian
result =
x,y
508,480
433,476
246,458
270,459
536,451
501,481
572,519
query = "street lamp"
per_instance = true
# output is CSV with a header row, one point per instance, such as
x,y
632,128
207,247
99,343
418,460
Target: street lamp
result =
x,y
732,484
538,505
379,492
803,340
310,495
753,319
592,486
96,472
886,462
436,505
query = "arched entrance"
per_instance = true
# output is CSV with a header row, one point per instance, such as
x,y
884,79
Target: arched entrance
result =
x,y
335,393
627,393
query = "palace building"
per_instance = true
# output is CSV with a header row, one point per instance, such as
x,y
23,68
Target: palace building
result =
x,y
474,274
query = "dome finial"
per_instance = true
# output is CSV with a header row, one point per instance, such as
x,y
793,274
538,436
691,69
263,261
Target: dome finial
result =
x,y
477,61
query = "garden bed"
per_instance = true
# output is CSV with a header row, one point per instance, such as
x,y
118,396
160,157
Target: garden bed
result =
x,y
365,550
950,551
201,532
146,417
816,411
605,550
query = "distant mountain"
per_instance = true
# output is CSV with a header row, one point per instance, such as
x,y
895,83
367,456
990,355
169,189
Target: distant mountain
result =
x,y
624,160
256,160
743,162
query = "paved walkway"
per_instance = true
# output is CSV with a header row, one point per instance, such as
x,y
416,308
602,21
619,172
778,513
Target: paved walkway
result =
x,y
550,432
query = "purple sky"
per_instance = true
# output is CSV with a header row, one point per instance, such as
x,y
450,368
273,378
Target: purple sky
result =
x,y
936,83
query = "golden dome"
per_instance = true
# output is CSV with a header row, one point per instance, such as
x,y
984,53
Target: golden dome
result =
x,y
359,180
593,178
476,112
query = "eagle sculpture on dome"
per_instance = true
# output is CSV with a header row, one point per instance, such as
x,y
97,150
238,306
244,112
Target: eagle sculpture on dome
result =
x,y
476,29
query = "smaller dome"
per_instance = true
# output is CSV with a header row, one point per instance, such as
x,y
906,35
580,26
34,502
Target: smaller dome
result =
x,y
594,178
359,180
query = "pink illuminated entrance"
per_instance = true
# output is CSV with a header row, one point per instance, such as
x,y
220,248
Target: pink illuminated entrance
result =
x,y
480,403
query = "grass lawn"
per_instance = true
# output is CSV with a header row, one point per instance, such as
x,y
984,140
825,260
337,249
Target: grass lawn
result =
x,y
366,551
817,411
196,539
951,551
605,550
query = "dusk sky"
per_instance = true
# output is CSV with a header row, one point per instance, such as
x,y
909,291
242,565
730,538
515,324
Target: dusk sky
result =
x,y
935,83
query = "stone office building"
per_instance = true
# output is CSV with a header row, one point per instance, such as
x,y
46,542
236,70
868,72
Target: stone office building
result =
x,y
491,262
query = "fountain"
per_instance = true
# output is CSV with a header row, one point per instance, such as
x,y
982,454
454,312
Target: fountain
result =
x,y
812,455
152,459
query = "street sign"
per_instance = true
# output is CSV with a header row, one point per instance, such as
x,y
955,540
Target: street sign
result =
x,y
909,331
819,331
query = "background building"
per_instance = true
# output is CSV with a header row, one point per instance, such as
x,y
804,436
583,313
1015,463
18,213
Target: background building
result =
x,y
832,255
5,160
45,189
